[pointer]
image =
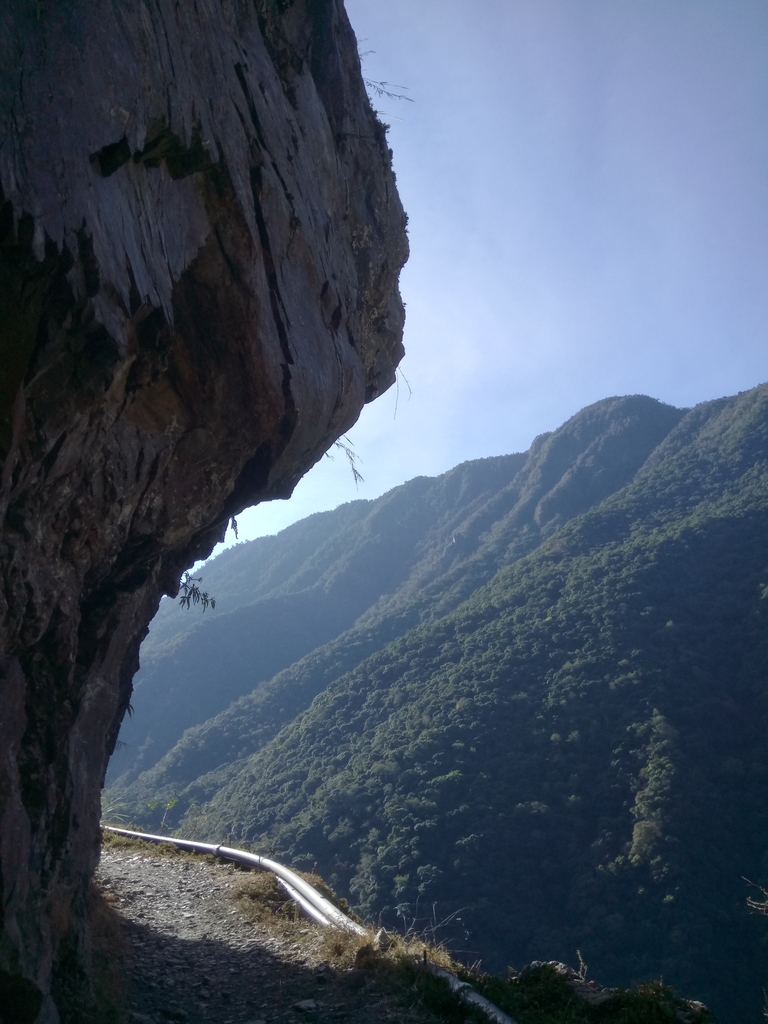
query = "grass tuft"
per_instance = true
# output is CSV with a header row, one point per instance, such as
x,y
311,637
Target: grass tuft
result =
x,y
143,848
542,996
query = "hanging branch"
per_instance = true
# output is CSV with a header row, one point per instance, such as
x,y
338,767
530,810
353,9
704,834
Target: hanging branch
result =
x,y
397,393
385,89
192,594
352,458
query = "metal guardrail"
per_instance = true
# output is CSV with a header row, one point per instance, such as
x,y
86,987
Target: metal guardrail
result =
x,y
308,898
315,906
467,995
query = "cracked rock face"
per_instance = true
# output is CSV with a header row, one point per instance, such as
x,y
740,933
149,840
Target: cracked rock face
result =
x,y
200,240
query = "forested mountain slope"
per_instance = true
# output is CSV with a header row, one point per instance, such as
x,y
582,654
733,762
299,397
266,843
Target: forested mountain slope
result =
x,y
277,598
572,755
365,573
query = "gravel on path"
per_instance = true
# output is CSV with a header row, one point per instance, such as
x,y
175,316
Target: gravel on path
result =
x,y
192,956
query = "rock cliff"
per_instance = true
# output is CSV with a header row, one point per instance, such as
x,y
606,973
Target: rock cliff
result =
x,y
200,239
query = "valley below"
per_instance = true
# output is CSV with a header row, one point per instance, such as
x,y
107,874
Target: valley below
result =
x,y
184,937
524,701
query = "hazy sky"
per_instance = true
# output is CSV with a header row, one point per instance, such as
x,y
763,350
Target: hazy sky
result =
x,y
587,187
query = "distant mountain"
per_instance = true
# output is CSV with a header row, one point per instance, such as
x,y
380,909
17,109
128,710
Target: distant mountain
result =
x,y
278,598
419,550
550,719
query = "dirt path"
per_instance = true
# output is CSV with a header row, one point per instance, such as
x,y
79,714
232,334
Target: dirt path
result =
x,y
193,956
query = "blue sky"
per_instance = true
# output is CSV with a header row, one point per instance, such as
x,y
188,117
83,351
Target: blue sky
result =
x,y
587,187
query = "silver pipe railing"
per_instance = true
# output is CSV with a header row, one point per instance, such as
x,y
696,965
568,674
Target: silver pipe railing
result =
x,y
315,906
467,994
323,911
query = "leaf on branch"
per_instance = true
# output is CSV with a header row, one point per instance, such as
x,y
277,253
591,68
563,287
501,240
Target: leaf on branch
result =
x,y
192,594
385,89
352,458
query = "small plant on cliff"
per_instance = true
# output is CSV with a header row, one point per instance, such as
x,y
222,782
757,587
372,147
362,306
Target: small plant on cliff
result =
x,y
352,458
192,594
383,90
386,89
582,971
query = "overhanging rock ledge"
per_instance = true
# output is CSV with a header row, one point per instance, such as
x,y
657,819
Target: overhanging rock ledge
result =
x,y
200,240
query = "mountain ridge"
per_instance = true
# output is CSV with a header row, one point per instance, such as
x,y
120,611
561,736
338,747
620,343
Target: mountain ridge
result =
x,y
315,613
587,696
